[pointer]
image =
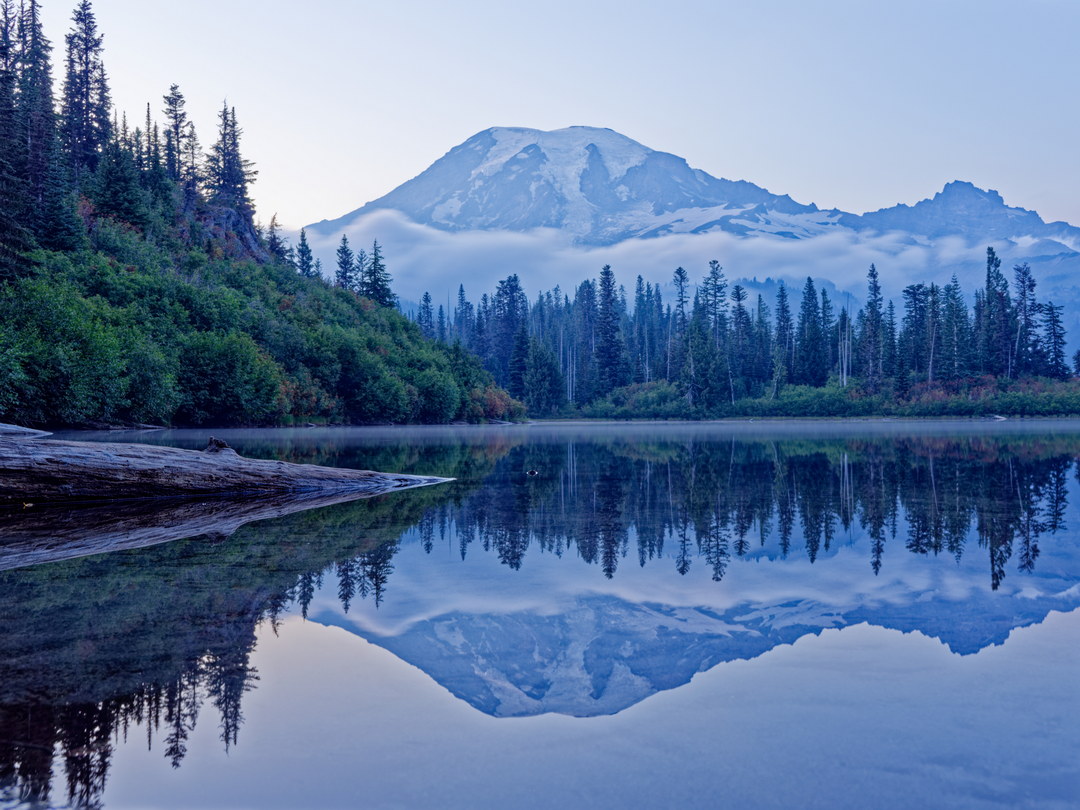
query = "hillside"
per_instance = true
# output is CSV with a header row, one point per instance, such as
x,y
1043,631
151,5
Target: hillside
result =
x,y
136,287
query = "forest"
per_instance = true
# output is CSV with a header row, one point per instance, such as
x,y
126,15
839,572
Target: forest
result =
x,y
712,352
137,288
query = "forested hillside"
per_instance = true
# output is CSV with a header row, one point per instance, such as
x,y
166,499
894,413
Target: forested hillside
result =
x,y
713,352
136,287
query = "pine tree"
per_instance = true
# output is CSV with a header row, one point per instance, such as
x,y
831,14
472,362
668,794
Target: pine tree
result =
x,y
1053,342
228,173
811,354
956,336
518,365
274,241
85,124
378,279
784,341
343,276
304,263
425,317
544,384
36,118
15,237
609,346
872,333
1025,342
996,329
176,131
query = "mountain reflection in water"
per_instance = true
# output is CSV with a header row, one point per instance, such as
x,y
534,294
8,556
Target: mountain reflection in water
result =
x,y
158,638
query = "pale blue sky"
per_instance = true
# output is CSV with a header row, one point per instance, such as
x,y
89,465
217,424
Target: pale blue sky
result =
x,y
856,105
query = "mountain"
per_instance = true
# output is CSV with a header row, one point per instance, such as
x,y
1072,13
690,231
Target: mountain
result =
x,y
601,188
601,654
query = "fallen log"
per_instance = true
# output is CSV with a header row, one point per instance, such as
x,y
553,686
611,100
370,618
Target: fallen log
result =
x,y
40,471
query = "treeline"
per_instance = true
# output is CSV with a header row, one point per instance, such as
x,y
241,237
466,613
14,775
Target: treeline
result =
x,y
690,502
136,287
711,351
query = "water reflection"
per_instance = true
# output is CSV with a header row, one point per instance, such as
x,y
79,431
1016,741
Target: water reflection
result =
x,y
145,643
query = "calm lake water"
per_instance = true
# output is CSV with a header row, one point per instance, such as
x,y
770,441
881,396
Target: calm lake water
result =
x,y
820,615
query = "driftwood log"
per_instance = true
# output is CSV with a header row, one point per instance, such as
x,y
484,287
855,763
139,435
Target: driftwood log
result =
x,y
50,533
37,471
60,500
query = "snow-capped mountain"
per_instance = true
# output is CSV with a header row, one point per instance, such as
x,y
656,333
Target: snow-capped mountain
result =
x,y
594,184
601,188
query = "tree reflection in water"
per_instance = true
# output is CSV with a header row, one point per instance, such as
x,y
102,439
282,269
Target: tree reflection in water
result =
x,y
93,649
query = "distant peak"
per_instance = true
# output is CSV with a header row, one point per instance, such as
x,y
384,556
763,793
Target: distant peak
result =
x,y
962,189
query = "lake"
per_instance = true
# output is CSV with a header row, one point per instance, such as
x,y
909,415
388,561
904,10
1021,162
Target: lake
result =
x,y
747,615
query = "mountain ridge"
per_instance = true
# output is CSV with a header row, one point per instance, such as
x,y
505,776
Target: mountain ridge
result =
x,y
602,188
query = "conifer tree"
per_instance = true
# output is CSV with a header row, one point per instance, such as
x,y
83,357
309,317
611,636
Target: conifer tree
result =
x,y
274,241
85,123
1053,342
425,318
872,333
36,118
544,384
956,336
228,173
304,263
378,279
784,348
176,131
343,276
609,346
518,365
811,354
15,238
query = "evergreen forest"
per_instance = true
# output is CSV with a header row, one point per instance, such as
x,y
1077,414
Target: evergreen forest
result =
x,y
710,351
136,286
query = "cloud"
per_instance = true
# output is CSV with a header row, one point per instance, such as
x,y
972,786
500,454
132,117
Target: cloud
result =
x,y
422,259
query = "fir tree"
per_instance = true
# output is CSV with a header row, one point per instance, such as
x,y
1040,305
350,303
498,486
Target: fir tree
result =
x,y
176,131
228,173
304,263
85,124
872,334
609,347
811,354
425,317
274,241
36,118
343,276
378,279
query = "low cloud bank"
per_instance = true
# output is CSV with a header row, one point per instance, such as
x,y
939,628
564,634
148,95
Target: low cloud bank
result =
x,y
422,259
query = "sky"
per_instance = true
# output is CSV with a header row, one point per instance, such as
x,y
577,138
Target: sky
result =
x,y
843,103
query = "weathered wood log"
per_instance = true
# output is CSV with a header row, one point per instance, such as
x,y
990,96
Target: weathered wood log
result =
x,y
18,432
44,471
50,533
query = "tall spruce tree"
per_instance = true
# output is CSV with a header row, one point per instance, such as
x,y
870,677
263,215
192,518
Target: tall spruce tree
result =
x,y
35,117
176,131
609,345
85,108
811,353
377,286
228,174
872,334
305,264
15,237
343,277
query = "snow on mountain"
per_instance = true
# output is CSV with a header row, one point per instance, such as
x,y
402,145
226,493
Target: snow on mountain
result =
x,y
596,185
600,188
556,206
